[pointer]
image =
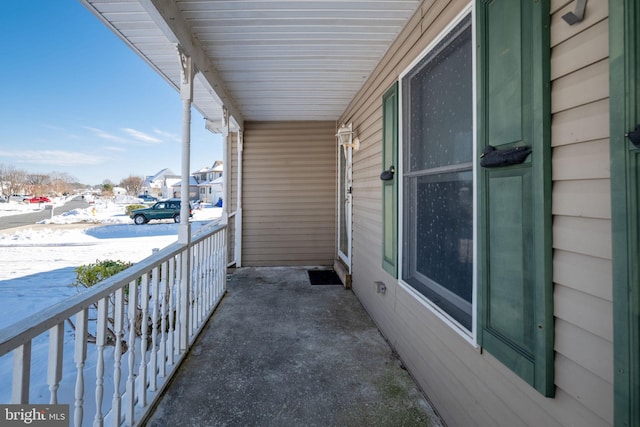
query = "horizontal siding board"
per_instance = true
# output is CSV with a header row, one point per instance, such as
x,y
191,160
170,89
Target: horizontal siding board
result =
x,y
584,198
293,260
583,273
265,226
589,313
597,11
572,412
594,392
583,235
289,191
293,249
588,47
289,205
258,246
587,161
585,123
583,86
589,351
558,4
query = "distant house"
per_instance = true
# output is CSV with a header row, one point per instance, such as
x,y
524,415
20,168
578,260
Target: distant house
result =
x,y
161,184
193,189
119,191
209,179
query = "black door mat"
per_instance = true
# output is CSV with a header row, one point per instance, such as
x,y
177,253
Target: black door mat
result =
x,y
324,277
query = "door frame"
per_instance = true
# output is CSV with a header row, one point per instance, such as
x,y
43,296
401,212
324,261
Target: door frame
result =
x,y
345,197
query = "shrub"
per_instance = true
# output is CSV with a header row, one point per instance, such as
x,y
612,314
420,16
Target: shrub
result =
x,y
90,274
129,208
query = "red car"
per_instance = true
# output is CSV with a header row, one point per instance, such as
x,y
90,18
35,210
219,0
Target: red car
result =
x,y
40,199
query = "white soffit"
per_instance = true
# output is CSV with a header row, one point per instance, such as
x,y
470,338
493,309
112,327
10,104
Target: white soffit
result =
x,y
265,60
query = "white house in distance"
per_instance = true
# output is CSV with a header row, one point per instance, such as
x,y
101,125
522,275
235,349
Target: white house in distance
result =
x,y
161,184
193,189
209,179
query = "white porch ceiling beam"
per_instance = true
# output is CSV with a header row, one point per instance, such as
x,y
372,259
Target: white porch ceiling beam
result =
x,y
172,23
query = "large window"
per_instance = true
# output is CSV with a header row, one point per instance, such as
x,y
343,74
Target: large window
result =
x,y
437,135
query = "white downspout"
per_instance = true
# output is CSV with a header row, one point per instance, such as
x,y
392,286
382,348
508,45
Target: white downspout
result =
x,y
238,221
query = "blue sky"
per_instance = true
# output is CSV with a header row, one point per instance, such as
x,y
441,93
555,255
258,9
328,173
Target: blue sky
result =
x,y
75,99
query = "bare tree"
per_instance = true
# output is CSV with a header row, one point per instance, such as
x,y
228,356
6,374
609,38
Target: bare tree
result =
x,y
38,183
12,179
133,184
62,182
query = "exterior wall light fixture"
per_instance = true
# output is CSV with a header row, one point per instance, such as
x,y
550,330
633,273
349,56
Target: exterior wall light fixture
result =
x,y
346,139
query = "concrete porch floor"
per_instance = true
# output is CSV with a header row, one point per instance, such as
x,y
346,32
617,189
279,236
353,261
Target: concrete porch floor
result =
x,y
281,352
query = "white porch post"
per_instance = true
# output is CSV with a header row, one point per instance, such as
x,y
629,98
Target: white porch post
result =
x,y
238,222
184,229
186,95
226,161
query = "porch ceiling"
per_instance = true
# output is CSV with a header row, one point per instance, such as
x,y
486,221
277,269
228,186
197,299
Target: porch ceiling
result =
x,y
263,59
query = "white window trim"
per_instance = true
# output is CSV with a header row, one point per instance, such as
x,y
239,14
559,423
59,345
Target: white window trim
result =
x,y
469,336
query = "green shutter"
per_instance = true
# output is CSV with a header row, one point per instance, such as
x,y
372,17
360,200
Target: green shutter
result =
x,y
514,249
390,187
624,57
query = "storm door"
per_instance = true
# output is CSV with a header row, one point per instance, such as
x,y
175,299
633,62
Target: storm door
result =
x,y
345,201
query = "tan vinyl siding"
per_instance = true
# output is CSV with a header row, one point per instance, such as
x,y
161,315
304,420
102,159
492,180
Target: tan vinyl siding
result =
x,y
581,208
469,387
289,193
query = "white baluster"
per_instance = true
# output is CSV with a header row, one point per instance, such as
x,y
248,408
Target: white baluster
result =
x,y
180,316
144,326
212,270
203,278
54,369
153,379
206,285
171,286
79,357
202,286
195,289
164,283
118,325
184,304
21,373
131,379
101,332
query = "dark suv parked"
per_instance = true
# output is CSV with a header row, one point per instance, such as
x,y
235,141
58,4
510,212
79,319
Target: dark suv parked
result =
x,y
161,210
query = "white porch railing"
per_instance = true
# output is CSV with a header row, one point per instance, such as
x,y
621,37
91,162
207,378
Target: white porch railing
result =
x,y
112,349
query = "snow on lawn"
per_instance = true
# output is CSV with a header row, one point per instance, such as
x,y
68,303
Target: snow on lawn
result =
x,y
13,207
37,266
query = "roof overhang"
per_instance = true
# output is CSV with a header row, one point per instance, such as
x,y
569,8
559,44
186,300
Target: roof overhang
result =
x,y
263,60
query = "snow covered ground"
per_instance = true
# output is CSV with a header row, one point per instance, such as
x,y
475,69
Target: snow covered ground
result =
x,y
37,262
